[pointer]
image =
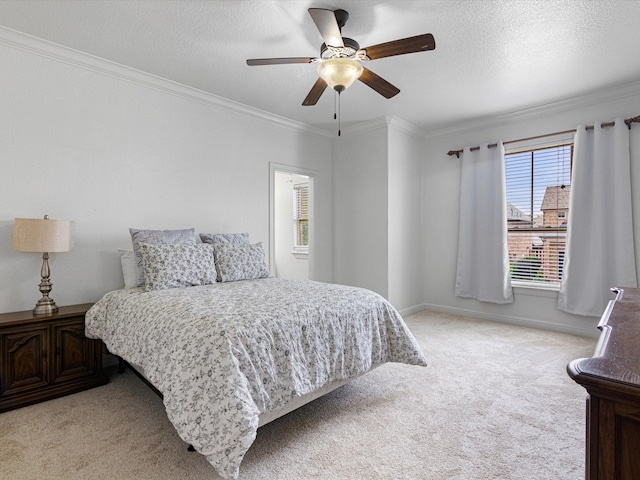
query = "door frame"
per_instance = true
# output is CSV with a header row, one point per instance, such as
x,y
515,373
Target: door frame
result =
x,y
290,169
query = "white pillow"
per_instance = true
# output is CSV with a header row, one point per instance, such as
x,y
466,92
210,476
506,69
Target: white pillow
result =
x,y
129,268
177,265
240,261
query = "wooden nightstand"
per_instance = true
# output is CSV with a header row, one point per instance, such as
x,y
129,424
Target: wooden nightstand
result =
x,y
44,357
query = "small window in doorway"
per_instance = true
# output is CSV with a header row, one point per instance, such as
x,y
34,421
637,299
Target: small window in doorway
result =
x,y
301,218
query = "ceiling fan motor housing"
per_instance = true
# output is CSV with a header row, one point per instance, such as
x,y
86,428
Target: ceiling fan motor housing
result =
x,y
341,17
349,50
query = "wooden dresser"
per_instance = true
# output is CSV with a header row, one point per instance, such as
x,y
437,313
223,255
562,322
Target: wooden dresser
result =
x,y
612,380
44,357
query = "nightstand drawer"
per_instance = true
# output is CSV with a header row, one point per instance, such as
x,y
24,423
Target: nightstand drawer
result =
x,y
24,360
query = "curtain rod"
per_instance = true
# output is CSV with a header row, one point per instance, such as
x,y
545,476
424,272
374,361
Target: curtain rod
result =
x,y
628,121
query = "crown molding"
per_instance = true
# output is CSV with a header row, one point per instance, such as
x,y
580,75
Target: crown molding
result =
x,y
61,54
385,122
369,125
405,127
604,95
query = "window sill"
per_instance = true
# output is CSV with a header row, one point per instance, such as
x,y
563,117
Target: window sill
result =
x,y
300,255
526,288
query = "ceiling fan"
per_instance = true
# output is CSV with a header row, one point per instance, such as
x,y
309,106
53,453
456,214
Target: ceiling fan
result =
x,y
339,64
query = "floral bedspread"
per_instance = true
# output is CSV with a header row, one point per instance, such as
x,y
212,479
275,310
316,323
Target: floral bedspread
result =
x,y
224,353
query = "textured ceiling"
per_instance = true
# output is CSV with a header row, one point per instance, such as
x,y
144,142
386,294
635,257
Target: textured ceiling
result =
x,y
492,57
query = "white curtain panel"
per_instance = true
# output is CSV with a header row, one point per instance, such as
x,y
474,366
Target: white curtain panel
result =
x,y
483,251
599,253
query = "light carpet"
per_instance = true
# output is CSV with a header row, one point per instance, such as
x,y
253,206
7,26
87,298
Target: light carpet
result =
x,y
495,402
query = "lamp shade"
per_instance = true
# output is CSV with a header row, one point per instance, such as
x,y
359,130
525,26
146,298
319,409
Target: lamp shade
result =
x,y
340,73
42,235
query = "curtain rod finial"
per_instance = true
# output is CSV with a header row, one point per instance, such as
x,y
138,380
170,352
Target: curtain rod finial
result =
x,y
629,121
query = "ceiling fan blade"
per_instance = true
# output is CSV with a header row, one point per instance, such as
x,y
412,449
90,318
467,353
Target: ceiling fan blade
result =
x,y
278,61
419,43
378,83
316,92
327,24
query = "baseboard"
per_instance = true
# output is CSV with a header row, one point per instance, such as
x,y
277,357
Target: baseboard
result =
x,y
523,322
405,312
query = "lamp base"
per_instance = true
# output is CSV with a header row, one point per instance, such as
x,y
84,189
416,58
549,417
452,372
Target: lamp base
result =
x,y
45,306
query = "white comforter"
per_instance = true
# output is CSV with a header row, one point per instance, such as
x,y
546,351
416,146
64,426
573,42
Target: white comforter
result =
x,y
222,354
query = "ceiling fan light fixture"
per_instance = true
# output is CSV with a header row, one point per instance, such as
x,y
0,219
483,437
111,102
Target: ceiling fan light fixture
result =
x,y
340,73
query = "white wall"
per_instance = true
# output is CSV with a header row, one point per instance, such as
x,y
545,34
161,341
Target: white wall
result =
x,y
360,208
441,187
378,211
288,264
406,251
112,148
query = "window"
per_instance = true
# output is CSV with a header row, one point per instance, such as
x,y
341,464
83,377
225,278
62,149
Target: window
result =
x,y
301,218
538,189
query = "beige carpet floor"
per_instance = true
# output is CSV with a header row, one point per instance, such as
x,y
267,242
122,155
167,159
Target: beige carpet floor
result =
x,y
495,402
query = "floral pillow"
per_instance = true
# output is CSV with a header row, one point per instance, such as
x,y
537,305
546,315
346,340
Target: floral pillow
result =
x,y
177,265
240,261
214,238
157,236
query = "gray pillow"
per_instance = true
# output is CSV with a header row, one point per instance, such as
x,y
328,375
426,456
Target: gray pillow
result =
x,y
177,265
240,261
155,237
224,238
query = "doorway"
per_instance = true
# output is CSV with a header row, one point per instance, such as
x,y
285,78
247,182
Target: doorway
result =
x,y
291,222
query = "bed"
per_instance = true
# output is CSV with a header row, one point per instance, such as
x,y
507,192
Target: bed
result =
x,y
230,356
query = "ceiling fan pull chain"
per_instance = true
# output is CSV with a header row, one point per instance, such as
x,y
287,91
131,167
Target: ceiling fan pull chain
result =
x,y
334,104
339,132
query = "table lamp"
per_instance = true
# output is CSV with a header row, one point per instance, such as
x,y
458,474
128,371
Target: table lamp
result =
x,y
43,236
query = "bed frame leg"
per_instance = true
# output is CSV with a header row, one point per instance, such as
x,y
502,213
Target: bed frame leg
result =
x,y
121,365
191,449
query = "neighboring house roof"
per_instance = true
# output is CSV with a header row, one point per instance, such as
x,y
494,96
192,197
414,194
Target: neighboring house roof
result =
x,y
556,198
515,214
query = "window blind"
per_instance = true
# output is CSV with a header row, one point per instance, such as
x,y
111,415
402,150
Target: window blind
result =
x,y
538,190
301,217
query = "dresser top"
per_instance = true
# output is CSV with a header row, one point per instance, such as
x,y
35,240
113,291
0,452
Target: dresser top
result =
x,y
617,356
